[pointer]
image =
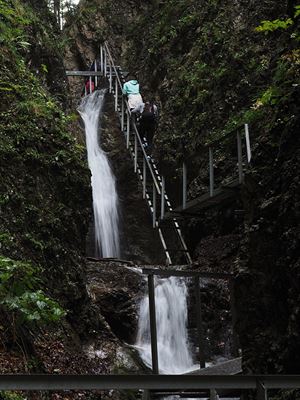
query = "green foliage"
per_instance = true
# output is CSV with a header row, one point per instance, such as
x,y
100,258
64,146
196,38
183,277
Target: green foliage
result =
x,y
12,23
270,96
271,26
11,396
44,193
213,73
19,294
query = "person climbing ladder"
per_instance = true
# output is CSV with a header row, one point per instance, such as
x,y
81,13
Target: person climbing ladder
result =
x,y
131,88
148,123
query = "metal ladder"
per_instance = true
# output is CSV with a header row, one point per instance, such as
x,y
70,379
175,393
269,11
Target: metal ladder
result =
x,y
153,184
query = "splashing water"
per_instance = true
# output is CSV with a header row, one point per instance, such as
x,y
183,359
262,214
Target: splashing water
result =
x,y
171,319
105,198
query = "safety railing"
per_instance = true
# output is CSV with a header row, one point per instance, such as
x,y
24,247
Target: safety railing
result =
x,y
157,385
196,276
240,163
152,183
243,160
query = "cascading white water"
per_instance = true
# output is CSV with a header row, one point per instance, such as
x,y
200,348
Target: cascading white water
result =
x,y
171,319
105,198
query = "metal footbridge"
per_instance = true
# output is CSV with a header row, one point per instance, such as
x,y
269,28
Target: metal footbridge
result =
x,y
218,193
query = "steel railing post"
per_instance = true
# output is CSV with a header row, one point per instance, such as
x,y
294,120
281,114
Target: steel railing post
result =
x,y
240,157
235,341
199,322
153,329
128,130
96,78
184,185
162,206
110,77
122,114
213,394
116,94
105,63
101,60
146,395
211,172
248,146
90,84
154,207
135,152
144,178
262,393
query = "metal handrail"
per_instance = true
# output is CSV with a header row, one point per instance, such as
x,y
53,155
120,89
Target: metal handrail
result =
x,y
133,123
225,136
148,382
113,66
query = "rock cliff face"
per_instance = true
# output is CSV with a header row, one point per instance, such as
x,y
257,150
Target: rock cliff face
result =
x,y
211,71
48,321
45,195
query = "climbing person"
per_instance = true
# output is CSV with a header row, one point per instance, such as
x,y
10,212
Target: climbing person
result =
x,y
89,86
148,123
131,89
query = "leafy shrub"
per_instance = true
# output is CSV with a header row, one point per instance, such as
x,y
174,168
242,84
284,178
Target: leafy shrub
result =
x,y
271,26
19,293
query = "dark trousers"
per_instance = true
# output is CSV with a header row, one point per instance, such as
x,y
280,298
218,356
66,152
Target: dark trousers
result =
x,y
147,130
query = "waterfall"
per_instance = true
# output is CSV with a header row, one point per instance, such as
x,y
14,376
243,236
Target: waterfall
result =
x,y
105,198
171,319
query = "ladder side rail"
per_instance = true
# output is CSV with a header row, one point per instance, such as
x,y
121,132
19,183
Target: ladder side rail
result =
x,y
149,199
178,232
163,242
148,196
136,132
177,229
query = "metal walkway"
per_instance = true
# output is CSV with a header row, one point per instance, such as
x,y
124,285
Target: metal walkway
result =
x,y
226,190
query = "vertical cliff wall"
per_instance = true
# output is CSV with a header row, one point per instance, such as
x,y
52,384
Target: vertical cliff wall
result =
x,y
46,314
210,71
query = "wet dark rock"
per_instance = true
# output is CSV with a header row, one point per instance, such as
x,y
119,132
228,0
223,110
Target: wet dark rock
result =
x,y
117,290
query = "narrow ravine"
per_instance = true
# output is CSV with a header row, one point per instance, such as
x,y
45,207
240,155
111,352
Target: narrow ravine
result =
x,y
105,197
174,356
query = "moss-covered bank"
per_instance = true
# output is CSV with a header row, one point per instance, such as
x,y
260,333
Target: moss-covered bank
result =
x,y
45,195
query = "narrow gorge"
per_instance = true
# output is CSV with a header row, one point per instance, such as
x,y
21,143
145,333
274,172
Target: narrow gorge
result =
x,y
119,257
